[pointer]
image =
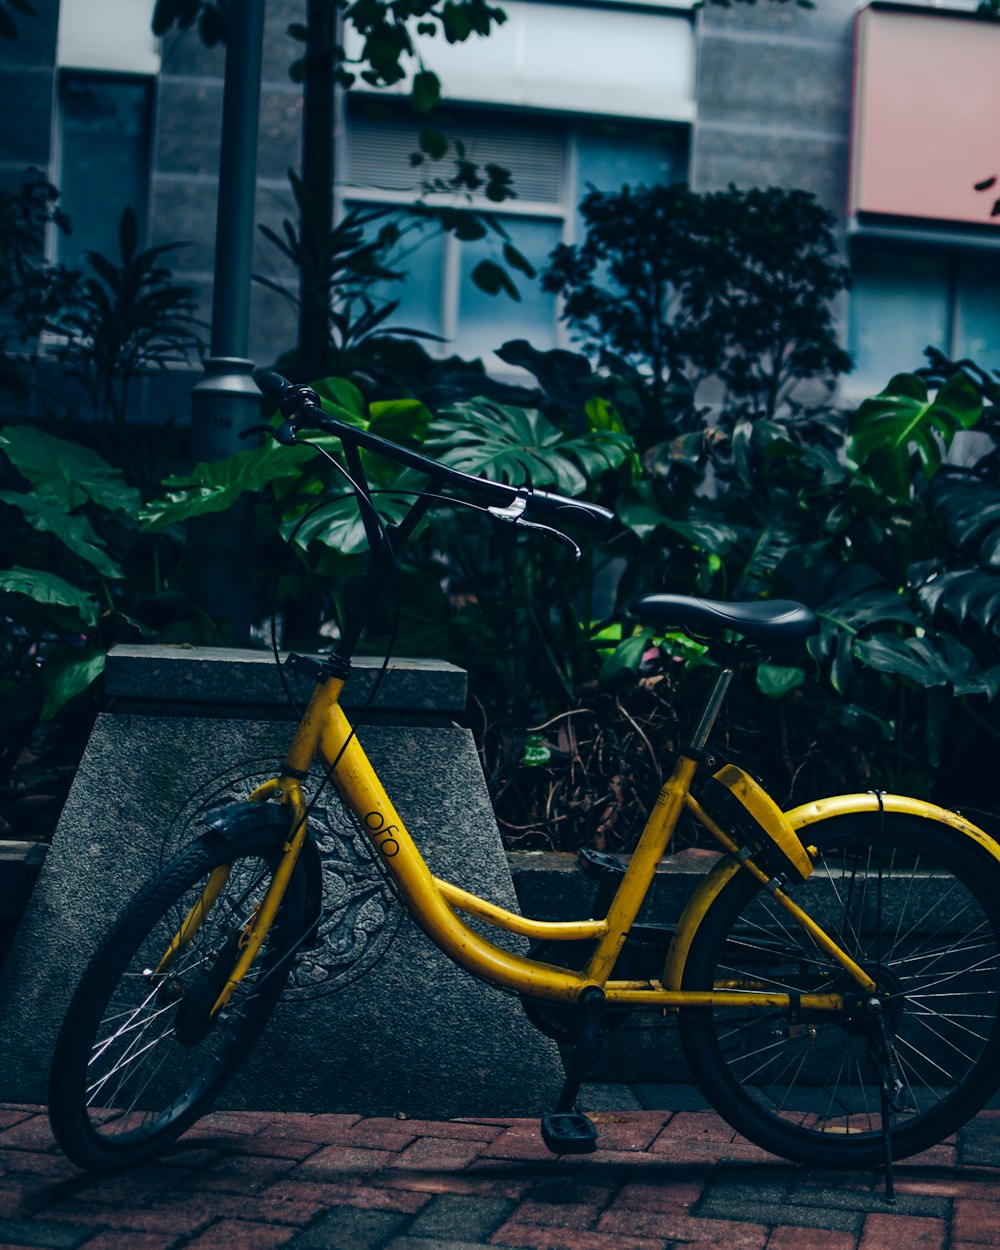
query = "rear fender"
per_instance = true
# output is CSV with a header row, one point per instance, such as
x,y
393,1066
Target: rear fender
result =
x,y
802,819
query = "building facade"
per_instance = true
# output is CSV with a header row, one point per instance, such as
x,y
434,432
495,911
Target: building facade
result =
x,y
860,106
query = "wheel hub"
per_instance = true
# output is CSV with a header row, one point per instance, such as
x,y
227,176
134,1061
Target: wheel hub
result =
x,y
862,1011
194,1020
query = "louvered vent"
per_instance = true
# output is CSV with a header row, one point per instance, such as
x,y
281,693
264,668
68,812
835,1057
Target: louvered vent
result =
x,y
378,156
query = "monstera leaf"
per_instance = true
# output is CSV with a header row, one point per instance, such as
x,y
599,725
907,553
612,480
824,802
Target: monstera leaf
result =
x,y
969,511
930,662
966,594
522,446
904,420
640,512
337,523
860,602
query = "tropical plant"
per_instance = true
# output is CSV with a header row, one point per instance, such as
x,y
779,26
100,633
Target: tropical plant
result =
x,y
8,28
34,292
681,286
130,317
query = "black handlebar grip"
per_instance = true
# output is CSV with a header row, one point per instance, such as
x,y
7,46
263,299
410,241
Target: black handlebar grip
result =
x,y
578,512
272,384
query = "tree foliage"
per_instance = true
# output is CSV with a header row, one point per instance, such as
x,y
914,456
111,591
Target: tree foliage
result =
x,y
736,285
129,317
386,32
33,290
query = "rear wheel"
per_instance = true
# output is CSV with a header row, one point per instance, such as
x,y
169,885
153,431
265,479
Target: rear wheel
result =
x,y
140,1056
918,906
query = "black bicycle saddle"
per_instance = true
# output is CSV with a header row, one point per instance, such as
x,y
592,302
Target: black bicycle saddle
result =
x,y
764,620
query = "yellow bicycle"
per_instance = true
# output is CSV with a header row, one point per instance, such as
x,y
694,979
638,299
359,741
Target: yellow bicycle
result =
x,y
835,975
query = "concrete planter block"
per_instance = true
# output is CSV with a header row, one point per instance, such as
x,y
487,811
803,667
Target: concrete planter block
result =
x,y
376,1020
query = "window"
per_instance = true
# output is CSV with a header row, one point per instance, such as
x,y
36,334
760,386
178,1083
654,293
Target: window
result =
x,y
103,159
553,161
107,56
906,298
630,59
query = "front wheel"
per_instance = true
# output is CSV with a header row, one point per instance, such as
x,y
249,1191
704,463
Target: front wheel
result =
x,y
917,905
140,1056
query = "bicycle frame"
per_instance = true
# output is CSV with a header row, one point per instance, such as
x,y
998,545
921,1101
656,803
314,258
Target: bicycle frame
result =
x,y
325,733
434,903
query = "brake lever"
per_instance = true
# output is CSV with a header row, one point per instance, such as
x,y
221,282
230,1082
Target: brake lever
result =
x,y
284,433
513,514
513,511
551,532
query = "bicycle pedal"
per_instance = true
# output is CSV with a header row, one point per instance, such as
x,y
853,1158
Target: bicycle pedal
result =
x,y
569,1133
597,864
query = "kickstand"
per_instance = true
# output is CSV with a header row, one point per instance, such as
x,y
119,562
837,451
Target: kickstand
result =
x,y
891,1093
890,1183
565,1130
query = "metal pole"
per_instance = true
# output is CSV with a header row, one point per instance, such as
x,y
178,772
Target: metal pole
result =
x,y
225,400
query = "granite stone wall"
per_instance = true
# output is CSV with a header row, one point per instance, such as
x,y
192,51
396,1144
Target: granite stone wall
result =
x,y
393,1027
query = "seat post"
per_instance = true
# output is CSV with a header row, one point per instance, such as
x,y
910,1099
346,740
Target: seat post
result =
x,y
712,709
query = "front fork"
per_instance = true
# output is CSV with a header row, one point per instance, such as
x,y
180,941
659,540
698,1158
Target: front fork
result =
x,y
289,792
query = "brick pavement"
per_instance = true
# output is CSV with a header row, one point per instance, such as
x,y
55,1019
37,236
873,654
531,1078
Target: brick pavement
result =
x,y
661,1180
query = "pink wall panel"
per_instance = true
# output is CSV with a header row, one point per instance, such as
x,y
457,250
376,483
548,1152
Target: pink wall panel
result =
x,y
926,123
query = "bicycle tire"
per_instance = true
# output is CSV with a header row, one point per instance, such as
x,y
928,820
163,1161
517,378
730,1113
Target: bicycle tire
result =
x,y
809,1088
123,1085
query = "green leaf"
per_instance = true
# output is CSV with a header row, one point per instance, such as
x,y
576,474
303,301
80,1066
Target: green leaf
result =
x,y
216,486
426,91
499,184
466,227
433,141
969,510
535,753
603,415
624,661
48,590
401,420
964,594
930,662
639,511
65,474
67,672
457,21
860,603
523,446
902,421
516,261
776,680
338,524
342,399
75,532
493,278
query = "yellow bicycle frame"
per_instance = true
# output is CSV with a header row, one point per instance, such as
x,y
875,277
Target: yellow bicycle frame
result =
x,y
435,904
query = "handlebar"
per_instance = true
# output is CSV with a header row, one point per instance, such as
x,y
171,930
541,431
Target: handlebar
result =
x,y
300,406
